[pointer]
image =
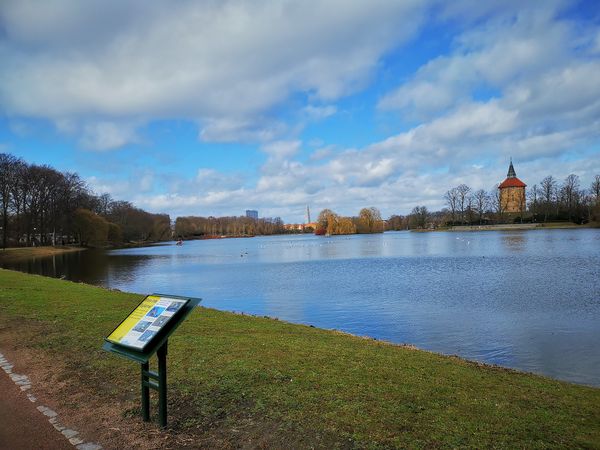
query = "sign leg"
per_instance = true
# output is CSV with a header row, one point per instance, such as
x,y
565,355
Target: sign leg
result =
x,y
162,385
145,393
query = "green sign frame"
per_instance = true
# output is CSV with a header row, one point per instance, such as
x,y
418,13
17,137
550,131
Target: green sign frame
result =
x,y
161,336
156,344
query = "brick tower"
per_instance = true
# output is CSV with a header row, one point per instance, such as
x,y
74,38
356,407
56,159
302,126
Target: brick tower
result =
x,y
512,192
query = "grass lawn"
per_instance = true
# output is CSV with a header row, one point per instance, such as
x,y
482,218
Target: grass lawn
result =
x,y
568,225
237,379
24,253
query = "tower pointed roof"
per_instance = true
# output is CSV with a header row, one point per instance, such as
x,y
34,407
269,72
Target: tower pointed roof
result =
x,y
511,179
511,171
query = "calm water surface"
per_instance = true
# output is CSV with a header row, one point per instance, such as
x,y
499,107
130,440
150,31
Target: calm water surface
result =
x,y
528,300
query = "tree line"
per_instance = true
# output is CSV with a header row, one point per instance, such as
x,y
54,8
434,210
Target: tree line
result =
x,y
419,218
204,227
548,200
552,200
42,206
368,221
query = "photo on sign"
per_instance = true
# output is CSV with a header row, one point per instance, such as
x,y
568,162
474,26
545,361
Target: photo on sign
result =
x,y
147,335
174,307
155,312
141,326
161,321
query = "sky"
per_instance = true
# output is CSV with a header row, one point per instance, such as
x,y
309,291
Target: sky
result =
x,y
214,107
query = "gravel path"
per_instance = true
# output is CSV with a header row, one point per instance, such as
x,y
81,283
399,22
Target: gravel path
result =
x,y
22,426
27,424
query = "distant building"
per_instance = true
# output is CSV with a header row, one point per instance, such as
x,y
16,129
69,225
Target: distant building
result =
x,y
252,213
512,192
300,226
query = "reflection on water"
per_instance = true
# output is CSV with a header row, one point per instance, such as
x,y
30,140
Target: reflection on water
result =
x,y
529,300
514,242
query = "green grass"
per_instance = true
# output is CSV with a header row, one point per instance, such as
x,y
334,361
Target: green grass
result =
x,y
242,377
26,253
566,225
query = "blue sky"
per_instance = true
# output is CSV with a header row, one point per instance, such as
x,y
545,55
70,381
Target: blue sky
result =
x,y
211,108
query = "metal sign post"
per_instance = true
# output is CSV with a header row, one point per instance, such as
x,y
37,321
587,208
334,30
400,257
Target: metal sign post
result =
x,y
144,332
159,384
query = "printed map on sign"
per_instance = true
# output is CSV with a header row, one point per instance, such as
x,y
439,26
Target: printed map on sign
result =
x,y
145,321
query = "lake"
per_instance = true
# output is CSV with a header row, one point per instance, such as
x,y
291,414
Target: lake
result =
x,y
523,299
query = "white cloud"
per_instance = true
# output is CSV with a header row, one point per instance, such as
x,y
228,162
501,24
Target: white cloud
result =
x,y
246,130
517,46
319,112
116,188
595,45
359,178
423,96
19,128
471,121
518,81
322,153
543,96
146,181
281,149
107,135
472,11
210,180
202,61
572,91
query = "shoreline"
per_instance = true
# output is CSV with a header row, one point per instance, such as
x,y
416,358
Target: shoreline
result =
x,y
518,227
242,379
512,227
17,254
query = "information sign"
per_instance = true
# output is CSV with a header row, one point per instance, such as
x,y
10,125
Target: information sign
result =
x,y
146,331
146,321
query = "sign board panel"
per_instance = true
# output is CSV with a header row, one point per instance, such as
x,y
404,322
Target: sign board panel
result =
x,y
146,321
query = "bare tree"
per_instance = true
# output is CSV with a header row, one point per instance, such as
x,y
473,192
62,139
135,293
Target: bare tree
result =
x,y
369,220
451,198
193,226
38,203
548,193
570,193
586,205
534,195
8,169
470,208
496,202
480,202
595,189
463,195
420,216
104,202
325,217
396,222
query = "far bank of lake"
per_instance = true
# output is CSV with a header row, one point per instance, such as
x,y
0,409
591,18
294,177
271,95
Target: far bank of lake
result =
x,y
522,226
19,254
528,300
